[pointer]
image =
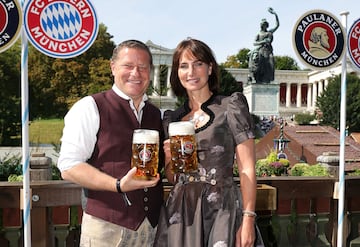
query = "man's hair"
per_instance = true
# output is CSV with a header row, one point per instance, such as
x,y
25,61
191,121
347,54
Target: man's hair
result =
x,y
316,34
134,44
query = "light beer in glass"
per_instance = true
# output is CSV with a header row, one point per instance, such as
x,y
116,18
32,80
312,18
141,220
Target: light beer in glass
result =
x,y
183,147
145,153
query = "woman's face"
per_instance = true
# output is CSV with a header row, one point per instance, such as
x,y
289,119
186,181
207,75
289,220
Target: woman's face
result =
x,y
192,72
264,25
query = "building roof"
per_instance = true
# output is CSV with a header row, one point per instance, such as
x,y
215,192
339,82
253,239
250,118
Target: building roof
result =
x,y
307,142
356,137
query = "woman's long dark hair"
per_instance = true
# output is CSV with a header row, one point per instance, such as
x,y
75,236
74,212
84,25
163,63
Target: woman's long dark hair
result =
x,y
203,53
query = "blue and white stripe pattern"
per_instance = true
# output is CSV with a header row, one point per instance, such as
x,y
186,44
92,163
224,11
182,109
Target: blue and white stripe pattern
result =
x,y
61,21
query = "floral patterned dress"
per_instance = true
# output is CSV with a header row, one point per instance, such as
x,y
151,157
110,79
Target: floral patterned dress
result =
x,y
205,209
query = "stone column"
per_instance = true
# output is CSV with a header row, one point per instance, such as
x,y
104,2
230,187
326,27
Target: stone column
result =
x,y
308,100
156,84
288,95
314,94
321,87
169,92
298,95
326,82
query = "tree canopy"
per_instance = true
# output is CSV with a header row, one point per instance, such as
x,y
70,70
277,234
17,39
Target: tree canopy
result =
x,y
54,84
10,95
228,83
329,103
241,61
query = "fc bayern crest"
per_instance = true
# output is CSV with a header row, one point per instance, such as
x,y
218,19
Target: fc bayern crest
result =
x,y
61,29
354,43
319,40
10,23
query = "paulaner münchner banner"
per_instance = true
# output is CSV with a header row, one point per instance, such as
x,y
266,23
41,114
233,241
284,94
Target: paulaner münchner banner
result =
x,y
10,23
319,40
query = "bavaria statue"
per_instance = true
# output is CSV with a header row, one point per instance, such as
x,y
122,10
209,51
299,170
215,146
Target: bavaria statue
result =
x,y
261,58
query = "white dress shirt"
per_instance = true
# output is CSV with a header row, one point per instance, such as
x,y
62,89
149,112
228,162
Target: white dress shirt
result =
x,y
82,123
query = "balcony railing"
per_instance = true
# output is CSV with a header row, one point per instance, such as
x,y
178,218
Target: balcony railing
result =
x,y
292,211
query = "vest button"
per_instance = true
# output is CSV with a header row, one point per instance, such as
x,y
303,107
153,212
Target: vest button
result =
x,y
145,199
146,189
146,208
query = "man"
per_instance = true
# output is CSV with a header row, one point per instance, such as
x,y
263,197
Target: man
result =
x,y
319,43
96,154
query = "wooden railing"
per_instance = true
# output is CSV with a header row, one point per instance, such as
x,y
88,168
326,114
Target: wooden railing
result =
x,y
283,203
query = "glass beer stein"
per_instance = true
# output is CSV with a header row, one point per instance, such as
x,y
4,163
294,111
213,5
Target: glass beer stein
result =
x,y
183,147
145,153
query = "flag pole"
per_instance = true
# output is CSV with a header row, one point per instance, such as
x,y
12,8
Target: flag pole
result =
x,y
25,136
342,140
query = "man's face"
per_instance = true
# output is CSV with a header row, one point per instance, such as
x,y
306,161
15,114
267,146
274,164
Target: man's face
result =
x,y
324,39
131,71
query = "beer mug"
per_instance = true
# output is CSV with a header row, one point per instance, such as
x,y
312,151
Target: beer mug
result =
x,y
183,147
145,153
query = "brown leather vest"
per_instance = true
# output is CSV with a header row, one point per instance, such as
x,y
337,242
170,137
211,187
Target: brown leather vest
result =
x,y
112,155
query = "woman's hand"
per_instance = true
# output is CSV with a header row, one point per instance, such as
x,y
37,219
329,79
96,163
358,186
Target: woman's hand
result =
x,y
166,146
245,236
168,171
271,10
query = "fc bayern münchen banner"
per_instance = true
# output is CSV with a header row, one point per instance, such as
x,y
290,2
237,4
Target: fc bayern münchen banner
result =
x,y
60,29
353,43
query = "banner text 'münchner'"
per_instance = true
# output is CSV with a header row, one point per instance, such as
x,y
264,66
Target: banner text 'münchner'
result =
x,y
61,47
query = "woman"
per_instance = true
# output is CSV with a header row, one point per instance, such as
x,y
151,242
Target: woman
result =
x,y
210,210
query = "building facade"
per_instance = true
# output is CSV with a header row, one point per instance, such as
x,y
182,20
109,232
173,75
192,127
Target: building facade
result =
x,y
298,90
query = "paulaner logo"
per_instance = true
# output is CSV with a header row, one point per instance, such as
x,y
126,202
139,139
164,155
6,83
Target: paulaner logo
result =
x,y
318,40
10,23
61,29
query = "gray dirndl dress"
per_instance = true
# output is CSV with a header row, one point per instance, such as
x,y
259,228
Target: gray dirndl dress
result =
x,y
205,209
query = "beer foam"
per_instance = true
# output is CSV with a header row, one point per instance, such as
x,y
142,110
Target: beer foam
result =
x,y
146,136
181,128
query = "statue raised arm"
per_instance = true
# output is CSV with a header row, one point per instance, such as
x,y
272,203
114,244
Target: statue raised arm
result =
x,y
261,60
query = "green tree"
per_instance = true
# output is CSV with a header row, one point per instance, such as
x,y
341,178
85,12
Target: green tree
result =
x,y
68,81
100,76
55,84
41,93
10,96
285,63
102,47
228,83
240,60
329,102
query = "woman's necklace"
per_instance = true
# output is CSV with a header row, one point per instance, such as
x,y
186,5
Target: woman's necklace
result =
x,y
196,119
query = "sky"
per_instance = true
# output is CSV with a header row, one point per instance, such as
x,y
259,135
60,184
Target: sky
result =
x,y
227,26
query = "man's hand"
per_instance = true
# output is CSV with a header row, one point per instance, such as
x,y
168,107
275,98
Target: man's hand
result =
x,y
129,182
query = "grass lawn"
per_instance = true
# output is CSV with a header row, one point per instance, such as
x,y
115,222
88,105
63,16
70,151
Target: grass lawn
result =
x,y
46,131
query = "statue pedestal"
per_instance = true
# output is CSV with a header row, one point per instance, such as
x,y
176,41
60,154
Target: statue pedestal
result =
x,y
263,99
